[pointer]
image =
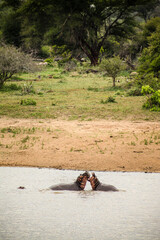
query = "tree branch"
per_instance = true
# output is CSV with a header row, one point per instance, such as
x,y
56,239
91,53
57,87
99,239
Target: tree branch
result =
x,y
110,26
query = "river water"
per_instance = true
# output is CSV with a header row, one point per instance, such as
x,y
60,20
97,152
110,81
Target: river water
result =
x,y
38,214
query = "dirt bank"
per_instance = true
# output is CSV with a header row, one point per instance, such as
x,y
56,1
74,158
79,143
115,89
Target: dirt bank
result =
x,y
93,145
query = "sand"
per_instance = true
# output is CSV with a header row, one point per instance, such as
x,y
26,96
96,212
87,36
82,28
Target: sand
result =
x,y
82,145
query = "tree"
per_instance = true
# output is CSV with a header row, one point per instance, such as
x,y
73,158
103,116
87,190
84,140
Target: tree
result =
x,y
149,62
113,67
10,22
150,58
13,61
84,23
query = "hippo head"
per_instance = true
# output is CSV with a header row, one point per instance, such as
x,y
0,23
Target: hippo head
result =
x,y
82,180
94,181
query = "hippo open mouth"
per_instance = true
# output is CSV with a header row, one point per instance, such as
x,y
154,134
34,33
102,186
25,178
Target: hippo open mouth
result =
x,y
78,185
98,186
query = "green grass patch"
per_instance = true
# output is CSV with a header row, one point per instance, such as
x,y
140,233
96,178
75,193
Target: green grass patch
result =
x,y
72,98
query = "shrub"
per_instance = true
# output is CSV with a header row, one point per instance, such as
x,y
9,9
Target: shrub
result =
x,y
46,51
148,79
11,87
28,101
49,61
134,92
153,98
12,61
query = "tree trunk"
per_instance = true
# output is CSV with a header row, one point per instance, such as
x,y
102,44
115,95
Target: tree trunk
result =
x,y
1,85
114,81
94,59
92,52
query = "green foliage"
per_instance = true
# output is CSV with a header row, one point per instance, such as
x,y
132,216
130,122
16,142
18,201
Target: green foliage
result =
x,y
149,62
49,61
29,101
12,61
46,51
151,27
147,79
153,98
113,67
147,90
10,24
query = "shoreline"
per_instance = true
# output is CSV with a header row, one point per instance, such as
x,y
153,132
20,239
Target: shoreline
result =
x,y
82,170
117,146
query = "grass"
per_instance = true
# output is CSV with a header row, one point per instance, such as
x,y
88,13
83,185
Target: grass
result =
x,y
67,97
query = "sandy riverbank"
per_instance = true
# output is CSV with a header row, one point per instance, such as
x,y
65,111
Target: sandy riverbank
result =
x,y
87,145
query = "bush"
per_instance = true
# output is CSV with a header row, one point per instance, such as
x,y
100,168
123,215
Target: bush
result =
x,y
12,61
28,101
46,51
134,92
49,61
148,79
11,87
153,98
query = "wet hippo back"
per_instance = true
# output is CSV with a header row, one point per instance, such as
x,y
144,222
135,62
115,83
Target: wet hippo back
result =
x,y
71,187
105,187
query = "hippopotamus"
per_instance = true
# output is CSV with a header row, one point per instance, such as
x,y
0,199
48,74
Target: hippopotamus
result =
x,y
78,185
98,186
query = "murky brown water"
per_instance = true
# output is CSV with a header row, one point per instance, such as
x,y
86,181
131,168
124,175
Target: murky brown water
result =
x,y
32,214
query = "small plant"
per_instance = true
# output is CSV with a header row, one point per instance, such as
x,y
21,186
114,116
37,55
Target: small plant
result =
x,y
133,143
108,100
24,140
145,142
28,101
27,88
53,104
